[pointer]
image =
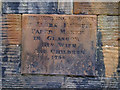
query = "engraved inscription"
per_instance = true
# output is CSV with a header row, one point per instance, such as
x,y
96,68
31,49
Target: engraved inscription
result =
x,y
59,44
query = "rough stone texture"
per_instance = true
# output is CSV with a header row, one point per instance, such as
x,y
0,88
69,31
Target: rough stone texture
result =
x,y
58,7
30,7
108,27
97,8
119,50
0,7
91,83
11,29
65,7
0,45
52,48
28,81
12,77
0,52
58,82
11,66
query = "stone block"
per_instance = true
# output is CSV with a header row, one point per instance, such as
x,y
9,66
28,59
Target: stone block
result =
x,y
11,29
108,26
96,8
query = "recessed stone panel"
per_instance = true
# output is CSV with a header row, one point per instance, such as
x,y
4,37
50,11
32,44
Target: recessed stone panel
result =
x,y
59,44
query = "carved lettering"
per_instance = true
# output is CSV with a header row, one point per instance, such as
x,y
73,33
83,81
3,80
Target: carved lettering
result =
x,y
59,44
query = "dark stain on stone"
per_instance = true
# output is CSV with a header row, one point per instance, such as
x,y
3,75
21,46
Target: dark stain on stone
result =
x,y
100,67
92,42
30,7
37,60
12,6
53,85
118,39
60,11
5,59
3,71
86,63
52,7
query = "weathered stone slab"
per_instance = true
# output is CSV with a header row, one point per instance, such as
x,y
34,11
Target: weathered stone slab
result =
x,y
96,8
11,29
59,44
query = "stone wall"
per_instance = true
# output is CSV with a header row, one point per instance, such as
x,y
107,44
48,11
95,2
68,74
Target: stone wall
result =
x,y
107,60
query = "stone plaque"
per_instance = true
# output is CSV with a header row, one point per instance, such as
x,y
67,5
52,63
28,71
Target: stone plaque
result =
x,y
59,44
